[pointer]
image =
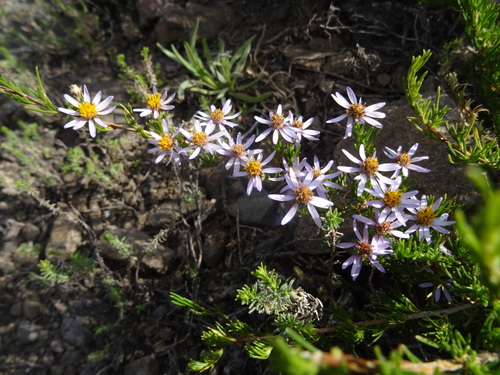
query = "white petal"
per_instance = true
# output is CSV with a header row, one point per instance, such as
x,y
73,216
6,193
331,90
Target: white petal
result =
x,y
97,98
351,157
337,119
351,95
160,157
281,197
92,130
71,100
290,214
372,122
71,112
340,100
104,104
263,135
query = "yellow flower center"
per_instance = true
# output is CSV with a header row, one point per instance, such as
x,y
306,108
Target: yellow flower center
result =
x,y
303,194
369,166
383,228
393,198
403,159
200,139
154,101
87,110
364,249
217,116
254,168
316,173
425,216
166,143
356,111
238,150
277,121
298,124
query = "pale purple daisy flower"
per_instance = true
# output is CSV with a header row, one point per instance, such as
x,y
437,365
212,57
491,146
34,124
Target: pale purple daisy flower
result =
x,y
302,193
392,199
405,160
365,249
298,166
438,289
218,116
236,151
426,218
156,103
357,112
88,111
279,125
369,169
201,139
166,144
253,169
323,174
385,223
301,128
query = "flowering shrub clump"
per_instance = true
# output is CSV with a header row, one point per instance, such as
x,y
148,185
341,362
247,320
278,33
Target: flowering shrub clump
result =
x,y
392,225
306,186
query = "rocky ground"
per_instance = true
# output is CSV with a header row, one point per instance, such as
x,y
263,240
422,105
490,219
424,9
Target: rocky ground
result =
x,y
203,233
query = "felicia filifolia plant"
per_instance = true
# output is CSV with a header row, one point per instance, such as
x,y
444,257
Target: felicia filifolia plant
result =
x,y
394,232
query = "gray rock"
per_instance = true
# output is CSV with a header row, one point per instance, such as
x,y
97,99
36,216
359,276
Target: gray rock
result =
x,y
163,213
30,232
149,11
64,240
256,209
16,309
28,332
160,311
32,309
214,247
144,366
57,346
154,261
74,330
176,22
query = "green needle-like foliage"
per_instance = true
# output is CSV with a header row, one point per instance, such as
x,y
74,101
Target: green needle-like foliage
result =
x,y
481,234
469,143
218,76
35,99
482,26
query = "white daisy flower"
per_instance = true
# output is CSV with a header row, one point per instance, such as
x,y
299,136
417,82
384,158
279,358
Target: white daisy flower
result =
x,y
302,193
88,111
236,151
438,289
425,217
301,128
218,116
405,160
298,166
385,223
324,176
357,112
166,144
253,168
365,249
279,125
201,139
392,199
369,169
156,103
